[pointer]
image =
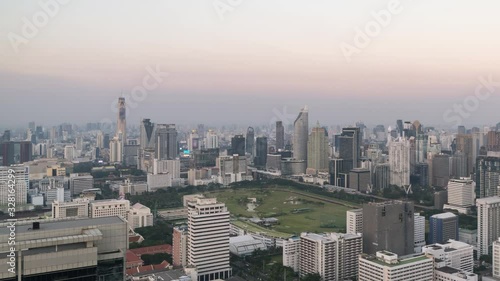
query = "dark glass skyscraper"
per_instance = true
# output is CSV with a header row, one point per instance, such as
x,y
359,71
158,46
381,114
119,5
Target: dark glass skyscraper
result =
x,y
238,144
166,142
349,148
261,152
250,141
280,135
16,152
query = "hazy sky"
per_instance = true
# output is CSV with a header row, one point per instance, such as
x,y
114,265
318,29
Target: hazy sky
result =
x,y
244,64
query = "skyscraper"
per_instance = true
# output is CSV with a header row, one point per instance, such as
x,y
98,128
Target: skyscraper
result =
x,y
354,221
16,152
238,145
280,135
464,145
496,258
317,150
388,226
166,142
487,176
334,256
250,141
488,223
147,134
208,239
261,152
212,140
301,135
121,124
443,227
399,161
349,148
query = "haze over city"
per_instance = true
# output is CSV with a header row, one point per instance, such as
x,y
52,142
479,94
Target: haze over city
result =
x,y
247,61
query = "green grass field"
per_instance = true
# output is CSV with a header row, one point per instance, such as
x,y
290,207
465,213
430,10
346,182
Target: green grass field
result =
x,y
296,213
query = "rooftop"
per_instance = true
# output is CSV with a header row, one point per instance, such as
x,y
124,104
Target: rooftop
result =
x,y
444,215
25,226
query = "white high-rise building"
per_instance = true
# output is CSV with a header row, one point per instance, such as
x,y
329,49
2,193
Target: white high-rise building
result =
x,y
115,151
79,143
100,140
208,239
488,223
212,139
334,256
69,152
387,266
461,195
291,253
354,220
454,254
496,258
419,232
14,183
399,161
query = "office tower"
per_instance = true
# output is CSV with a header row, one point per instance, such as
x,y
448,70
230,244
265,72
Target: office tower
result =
x,y
488,223
79,143
260,152
349,148
212,140
440,170
238,145
493,140
461,194
130,155
16,152
14,185
100,140
31,126
443,227
80,182
69,152
5,136
121,124
291,253
464,145
338,174
487,176
496,258
423,173
334,256
147,134
459,165
106,141
300,135
232,169
382,176
166,142
193,141
399,161
461,130
360,180
250,142
115,151
205,157
388,226
280,135
179,246
400,127
387,266
83,249
208,239
419,237
317,150
354,221
454,254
